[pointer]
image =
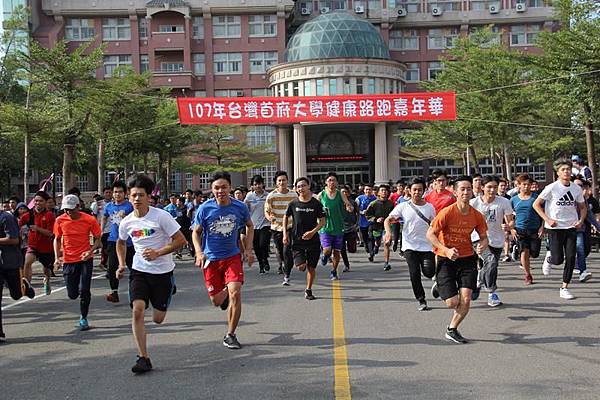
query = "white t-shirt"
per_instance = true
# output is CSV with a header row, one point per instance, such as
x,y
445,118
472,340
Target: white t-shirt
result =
x,y
494,213
415,228
561,204
152,231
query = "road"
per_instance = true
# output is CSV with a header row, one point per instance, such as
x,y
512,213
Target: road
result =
x,y
535,346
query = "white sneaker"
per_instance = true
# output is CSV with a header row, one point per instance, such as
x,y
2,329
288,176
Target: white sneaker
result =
x,y
566,294
585,276
546,267
286,281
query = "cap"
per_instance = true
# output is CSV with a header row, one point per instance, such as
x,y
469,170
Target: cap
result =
x,y
576,158
70,202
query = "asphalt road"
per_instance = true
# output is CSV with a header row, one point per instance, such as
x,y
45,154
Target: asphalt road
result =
x,y
535,346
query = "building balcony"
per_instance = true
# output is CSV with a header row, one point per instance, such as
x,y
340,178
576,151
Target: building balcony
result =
x,y
168,41
175,80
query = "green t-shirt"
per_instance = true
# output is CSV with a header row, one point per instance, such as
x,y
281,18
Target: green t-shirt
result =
x,y
334,210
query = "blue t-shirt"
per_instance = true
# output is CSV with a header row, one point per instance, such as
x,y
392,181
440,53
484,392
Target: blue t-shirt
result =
x,y
10,255
363,202
115,214
220,227
525,215
171,209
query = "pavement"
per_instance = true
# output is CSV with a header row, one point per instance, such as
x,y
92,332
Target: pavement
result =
x,y
535,346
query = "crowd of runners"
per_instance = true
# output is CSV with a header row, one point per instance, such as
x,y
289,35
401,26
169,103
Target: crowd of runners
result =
x,y
454,231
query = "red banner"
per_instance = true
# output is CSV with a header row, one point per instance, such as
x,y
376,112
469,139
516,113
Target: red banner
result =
x,y
347,108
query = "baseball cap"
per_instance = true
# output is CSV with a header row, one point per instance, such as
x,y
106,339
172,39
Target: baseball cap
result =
x,y
70,202
576,158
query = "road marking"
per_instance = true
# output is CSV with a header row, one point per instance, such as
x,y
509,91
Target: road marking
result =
x,y
340,355
39,296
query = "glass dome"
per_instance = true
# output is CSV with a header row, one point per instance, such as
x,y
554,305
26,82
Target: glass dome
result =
x,y
338,34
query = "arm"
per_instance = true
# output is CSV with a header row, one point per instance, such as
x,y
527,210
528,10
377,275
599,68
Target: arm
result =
x,y
197,240
269,209
349,207
537,206
451,253
370,213
177,242
45,232
249,240
582,214
121,255
387,225
286,239
308,235
8,241
97,244
58,251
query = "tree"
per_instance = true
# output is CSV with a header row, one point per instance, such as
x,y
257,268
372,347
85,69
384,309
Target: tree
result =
x,y
14,39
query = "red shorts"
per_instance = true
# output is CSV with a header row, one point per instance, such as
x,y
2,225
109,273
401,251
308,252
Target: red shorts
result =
x,y
221,272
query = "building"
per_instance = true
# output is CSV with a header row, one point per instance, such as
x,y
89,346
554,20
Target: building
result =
x,y
225,48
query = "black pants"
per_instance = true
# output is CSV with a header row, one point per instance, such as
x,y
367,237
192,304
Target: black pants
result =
x,y
397,236
364,234
187,234
261,242
563,247
349,246
104,250
113,263
78,280
419,261
285,252
10,278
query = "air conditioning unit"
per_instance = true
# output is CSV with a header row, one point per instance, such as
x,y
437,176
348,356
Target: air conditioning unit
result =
x,y
305,11
436,10
494,8
324,10
520,7
401,12
359,9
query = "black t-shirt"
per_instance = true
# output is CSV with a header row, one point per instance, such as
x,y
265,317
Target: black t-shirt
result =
x,y
10,255
305,216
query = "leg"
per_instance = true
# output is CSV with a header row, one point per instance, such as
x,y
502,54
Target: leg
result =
x,y
344,254
570,254
461,305
85,285
265,240
386,253
235,306
113,265
336,259
256,247
525,261
278,239
489,270
311,274
29,260
138,328
414,261
219,298
580,251
288,257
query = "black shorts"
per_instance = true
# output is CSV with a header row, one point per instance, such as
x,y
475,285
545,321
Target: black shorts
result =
x,y
529,239
156,289
306,255
453,275
46,259
11,278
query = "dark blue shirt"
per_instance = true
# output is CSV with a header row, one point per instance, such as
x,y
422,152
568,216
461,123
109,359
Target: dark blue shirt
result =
x,y
363,202
115,214
525,215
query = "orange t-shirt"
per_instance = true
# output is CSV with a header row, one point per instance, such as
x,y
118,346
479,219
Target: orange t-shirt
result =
x,y
439,201
75,235
454,229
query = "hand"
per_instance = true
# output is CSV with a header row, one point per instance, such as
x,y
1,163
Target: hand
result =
x,y
33,228
58,263
308,235
150,254
387,238
121,271
541,232
200,259
451,253
380,220
579,224
505,227
552,223
349,208
514,233
250,258
86,255
479,248
286,240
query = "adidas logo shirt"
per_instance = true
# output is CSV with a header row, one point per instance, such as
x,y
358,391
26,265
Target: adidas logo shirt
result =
x,y
561,204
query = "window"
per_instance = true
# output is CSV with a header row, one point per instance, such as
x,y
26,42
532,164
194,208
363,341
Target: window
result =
x,y
198,62
447,5
176,66
175,183
229,93
226,26
58,180
116,29
371,88
359,86
188,180
143,28
494,38
435,67
262,25
320,87
404,39
200,93
259,92
227,63
413,73
411,6
262,136
170,28
478,5
307,88
205,180
535,3
332,86
295,89
374,4
82,183
79,29
267,172
144,63
347,86
198,28
442,38
261,61
333,4
521,35
109,177
113,62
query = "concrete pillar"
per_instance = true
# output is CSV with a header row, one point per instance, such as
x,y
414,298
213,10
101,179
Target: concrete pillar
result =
x,y
285,153
392,153
299,151
381,154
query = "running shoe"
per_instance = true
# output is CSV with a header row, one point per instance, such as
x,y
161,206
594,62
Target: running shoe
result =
x,y
566,294
230,341
2,337
346,268
515,253
333,275
528,280
178,256
29,292
475,293
395,247
267,267
494,300
308,295
174,291
454,336
435,293
142,365
386,267
112,297
546,267
47,287
506,259
225,304
286,281
324,259
422,305
83,324
585,276
261,270
371,259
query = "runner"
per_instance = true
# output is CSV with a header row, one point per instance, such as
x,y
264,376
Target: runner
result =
x,y
74,254
12,204
113,215
332,234
584,233
498,215
255,200
171,208
417,215
308,217
450,234
376,213
363,202
528,230
184,222
215,237
561,200
477,185
397,224
98,211
155,236
350,230
439,197
275,207
579,168
39,248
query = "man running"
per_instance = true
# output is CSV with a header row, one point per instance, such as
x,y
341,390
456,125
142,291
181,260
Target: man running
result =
x,y
561,200
362,203
498,214
114,213
155,235
350,229
308,217
216,241
417,215
255,200
584,234
450,234
74,254
97,208
376,214
397,224
439,197
477,185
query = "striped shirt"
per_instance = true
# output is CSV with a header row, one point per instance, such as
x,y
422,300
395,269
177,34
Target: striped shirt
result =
x,y
277,204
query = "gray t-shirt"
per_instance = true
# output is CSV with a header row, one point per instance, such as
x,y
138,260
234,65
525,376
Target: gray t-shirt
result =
x,y
256,205
10,256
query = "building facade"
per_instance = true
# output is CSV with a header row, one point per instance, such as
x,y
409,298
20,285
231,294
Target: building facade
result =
x,y
228,48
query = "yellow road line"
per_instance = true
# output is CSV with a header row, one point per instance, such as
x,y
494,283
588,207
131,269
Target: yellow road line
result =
x,y
340,355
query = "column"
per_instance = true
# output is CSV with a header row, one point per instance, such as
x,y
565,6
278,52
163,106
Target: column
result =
x,y
392,153
381,154
299,151
285,154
